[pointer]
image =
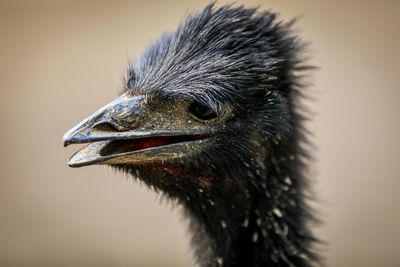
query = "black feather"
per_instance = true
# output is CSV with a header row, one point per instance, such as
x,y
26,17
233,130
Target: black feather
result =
x,y
254,213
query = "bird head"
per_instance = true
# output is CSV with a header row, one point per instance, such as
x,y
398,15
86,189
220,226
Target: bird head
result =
x,y
202,107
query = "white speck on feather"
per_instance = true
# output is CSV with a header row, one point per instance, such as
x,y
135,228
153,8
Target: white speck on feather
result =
x,y
223,224
255,237
288,181
220,261
277,212
245,223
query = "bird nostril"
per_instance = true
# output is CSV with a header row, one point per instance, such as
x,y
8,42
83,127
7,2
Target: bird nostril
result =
x,y
106,127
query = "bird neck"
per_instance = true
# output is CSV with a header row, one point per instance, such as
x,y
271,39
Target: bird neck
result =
x,y
259,223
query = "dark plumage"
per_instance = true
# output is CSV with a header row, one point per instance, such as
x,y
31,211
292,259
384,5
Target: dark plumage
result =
x,y
228,82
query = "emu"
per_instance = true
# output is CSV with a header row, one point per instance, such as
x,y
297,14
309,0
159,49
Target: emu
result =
x,y
211,116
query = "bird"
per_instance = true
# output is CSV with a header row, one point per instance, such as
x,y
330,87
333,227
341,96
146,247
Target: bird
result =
x,y
211,116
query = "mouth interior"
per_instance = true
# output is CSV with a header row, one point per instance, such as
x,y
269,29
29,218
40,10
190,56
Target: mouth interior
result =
x,y
130,145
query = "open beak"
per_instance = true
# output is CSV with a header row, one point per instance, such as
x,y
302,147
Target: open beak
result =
x,y
124,131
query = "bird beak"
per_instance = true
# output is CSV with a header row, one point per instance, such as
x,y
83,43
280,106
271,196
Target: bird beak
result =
x,y
109,122
125,131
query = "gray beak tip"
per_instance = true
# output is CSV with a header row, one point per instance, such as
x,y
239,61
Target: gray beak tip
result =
x,y
67,137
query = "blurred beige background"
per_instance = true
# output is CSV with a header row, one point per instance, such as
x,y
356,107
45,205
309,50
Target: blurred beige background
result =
x,y
60,61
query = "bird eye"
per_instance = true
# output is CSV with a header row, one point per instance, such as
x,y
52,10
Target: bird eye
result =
x,y
202,111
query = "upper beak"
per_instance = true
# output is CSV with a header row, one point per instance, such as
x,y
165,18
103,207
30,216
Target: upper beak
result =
x,y
109,122
116,136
